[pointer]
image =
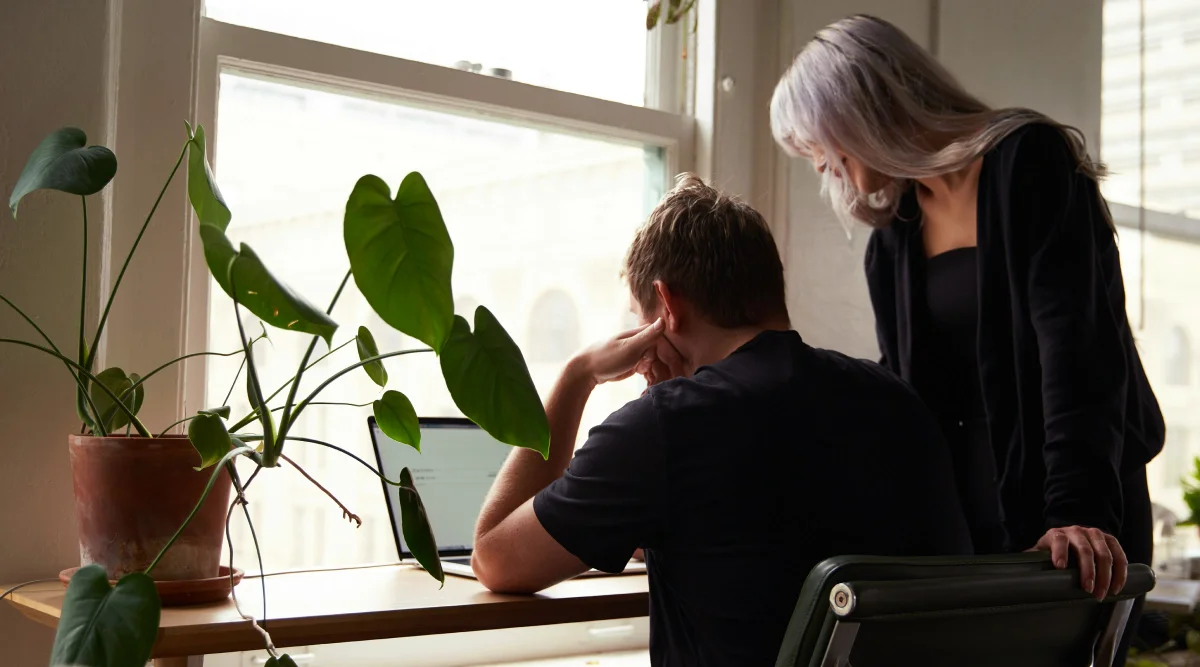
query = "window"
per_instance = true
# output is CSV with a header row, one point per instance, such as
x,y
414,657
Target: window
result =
x,y
541,190
553,328
1155,199
1178,370
572,45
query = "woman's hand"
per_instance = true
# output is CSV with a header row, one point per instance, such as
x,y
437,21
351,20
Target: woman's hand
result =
x,y
1102,562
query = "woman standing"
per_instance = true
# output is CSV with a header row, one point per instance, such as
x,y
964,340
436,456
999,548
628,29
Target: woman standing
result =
x,y
996,283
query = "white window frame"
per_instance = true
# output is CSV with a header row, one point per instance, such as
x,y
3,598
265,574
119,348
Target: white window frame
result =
x,y
225,47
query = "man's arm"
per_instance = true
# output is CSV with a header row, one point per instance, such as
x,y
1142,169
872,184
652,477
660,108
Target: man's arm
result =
x,y
513,552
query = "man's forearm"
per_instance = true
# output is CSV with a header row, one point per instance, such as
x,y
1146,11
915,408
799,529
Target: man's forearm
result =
x,y
526,472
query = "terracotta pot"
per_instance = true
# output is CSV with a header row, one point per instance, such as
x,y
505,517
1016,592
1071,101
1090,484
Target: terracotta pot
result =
x,y
132,494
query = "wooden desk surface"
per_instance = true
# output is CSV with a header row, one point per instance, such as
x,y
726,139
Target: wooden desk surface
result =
x,y
360,604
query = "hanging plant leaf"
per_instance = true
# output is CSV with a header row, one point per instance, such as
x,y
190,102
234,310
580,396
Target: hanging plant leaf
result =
x,y
488,380
64,162
106,625
367,349
208,435
401,256
203,192
272,301
398,419
418,534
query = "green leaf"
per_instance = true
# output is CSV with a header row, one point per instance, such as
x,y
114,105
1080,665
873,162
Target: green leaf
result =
x,y
418,534
133,400
104,625
397,419
203,192
272,301
219,253
209,436
652,14
284,660
401,256
117,382
367,349
222,412
64,162
489,382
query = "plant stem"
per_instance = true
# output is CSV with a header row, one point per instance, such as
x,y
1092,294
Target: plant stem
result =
x,y
368,466
185,419
364,362
82,391
270,452
233,384
91,353
141,428
151,374
74,375
217,470
286,422
250,417
346,513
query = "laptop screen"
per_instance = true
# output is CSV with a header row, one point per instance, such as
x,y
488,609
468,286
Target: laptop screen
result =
x,y
453,472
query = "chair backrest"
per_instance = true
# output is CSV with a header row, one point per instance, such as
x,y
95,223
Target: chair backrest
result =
x,y
1003,610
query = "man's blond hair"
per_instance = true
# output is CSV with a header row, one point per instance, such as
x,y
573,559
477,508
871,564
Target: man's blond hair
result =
x,y
713,250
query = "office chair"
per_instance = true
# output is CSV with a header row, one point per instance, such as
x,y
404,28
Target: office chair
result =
x,y
1008,610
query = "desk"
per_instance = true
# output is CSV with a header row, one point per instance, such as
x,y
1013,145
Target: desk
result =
x,y
359,604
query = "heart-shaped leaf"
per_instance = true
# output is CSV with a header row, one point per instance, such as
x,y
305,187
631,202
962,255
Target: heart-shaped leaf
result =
x,y
106,625
222,412
418,534
64,162
284,660
272,301
133,400
489,382
203,192
401,256
209,436
367,349
117,382
398,419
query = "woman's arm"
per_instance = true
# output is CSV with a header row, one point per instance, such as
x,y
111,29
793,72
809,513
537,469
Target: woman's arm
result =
x,y
1056,212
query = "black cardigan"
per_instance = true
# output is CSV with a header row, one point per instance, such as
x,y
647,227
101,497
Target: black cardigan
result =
x,y
1069,407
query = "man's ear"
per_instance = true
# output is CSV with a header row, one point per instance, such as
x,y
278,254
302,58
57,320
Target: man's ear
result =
x,y
670,306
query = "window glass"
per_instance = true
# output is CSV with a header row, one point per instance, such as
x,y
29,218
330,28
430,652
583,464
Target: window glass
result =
x,y
540,222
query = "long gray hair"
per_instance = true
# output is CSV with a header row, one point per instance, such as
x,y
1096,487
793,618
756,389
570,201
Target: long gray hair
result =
x,y
864,88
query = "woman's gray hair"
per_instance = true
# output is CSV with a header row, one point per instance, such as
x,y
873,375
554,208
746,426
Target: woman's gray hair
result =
x,y
864,88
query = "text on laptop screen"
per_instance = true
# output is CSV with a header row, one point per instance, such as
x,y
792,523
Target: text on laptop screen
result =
x,y
453,472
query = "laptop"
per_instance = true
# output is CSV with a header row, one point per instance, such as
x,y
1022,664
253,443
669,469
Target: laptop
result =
x,y
453,472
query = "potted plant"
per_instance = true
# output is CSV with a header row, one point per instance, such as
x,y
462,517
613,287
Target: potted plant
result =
x,y
1191,494
401,259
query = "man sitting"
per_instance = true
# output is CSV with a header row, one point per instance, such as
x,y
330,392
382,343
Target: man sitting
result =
x,y
750,458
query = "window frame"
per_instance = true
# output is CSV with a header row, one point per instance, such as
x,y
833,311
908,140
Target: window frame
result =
x,y
225,47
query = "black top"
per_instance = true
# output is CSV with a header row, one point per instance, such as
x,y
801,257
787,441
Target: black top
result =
x,y
952,344
737,481
1068,404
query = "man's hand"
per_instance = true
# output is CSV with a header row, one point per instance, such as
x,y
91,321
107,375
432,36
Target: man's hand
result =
x,y
1102,563
620,357
663,362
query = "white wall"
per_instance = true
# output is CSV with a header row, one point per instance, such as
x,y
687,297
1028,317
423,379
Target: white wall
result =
x,y
53,53
1044,55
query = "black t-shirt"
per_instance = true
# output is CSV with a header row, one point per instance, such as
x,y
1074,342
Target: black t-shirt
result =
x,y
740,479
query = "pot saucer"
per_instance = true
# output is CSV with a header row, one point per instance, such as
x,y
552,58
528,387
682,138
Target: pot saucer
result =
x,y
184,591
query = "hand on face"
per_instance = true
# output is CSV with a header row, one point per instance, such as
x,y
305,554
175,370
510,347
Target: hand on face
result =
x,y
620,356
662,362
